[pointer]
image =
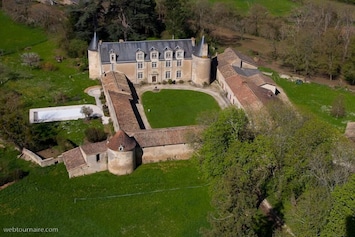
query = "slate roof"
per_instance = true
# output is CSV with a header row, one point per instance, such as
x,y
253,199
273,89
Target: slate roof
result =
x,y
73,159
164,136
126,51
93,46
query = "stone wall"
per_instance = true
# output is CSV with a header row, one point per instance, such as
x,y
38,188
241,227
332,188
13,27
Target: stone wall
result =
x,y
168,152
33,157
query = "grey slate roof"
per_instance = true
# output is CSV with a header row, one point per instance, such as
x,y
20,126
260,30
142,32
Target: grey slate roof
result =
x,y
93,46
246,71
126,51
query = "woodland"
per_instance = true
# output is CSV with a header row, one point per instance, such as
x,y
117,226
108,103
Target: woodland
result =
x,y
303,166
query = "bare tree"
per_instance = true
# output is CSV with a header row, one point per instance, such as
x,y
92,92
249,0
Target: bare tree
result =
x,y
87,111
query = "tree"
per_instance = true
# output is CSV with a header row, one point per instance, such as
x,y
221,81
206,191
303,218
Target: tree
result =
x,y
231,125
86,111
338,108
175,19
342,214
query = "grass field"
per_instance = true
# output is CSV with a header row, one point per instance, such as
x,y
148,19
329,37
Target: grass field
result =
x,y
162,199
16,36
318,100
278,7
171,108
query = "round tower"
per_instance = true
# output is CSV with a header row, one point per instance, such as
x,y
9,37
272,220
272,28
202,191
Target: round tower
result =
x,y
94,58
121,154
201,64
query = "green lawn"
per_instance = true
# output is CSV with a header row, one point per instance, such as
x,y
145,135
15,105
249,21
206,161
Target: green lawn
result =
x,y
16,36
318,99
161,199
276,7
171,108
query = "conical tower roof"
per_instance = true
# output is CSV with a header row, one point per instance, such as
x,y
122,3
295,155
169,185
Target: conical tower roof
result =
x,y
93,46
121,142
199,48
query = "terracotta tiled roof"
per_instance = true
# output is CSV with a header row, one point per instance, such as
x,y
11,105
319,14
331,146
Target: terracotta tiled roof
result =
x,y
94,148
126,118
260,79
116,86
73,159
230,56
121,139
164,136
242,91
115,82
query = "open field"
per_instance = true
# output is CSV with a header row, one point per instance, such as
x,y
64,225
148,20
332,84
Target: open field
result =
x,y
16,36
171,108
318,100
164,199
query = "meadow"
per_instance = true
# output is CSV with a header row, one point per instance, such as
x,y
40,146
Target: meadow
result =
x,y
318,100
162,199
171,108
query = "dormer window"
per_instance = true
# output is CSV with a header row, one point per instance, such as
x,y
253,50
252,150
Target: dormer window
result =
x,y
120,148
112,56
168,54
154,55
179,54
139,55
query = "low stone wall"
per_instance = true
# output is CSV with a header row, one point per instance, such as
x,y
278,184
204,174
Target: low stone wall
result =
x,y
31,156
164,153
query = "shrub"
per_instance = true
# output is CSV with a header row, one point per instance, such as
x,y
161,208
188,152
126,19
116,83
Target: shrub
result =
x,y
164,82
338,107
170,81
30,59
95,134
181,81
48,66
77,48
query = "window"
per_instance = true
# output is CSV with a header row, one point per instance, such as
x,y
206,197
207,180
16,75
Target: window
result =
x,y
179,63
178,74
154,64
168,63
140,65
179,54
140,56
154,55
168,55
140,75
97,157
167,75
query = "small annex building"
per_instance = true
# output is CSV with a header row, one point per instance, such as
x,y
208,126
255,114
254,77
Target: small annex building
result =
x,y
245,86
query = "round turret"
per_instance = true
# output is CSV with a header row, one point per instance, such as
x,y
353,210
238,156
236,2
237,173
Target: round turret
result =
x,y
121,154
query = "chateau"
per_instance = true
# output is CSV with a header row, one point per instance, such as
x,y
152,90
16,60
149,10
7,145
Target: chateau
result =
x,y
151,61
122,65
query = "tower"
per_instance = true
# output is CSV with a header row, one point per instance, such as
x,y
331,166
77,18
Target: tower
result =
x,y
201,64
94,58
121,154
